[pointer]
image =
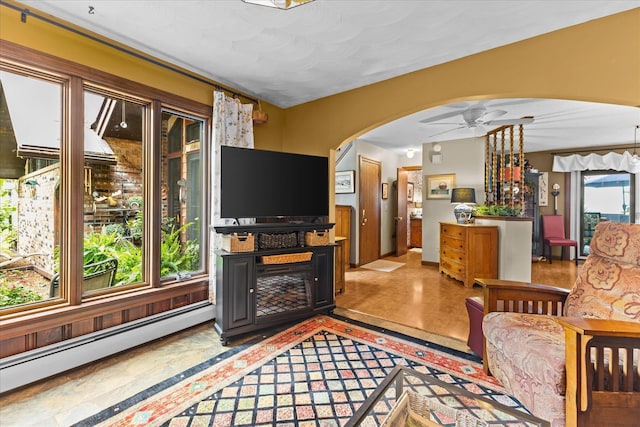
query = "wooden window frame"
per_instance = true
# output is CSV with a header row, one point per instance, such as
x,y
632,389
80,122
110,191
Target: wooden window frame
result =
x,y
77,78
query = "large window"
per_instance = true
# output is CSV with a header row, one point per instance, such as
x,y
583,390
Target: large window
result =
x,y
182,195
606,196
113,192
30,136
117,195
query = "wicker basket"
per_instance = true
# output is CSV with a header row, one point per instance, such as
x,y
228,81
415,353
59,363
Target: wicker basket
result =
x,y
287,258
413,409
277,241
316,238
235,243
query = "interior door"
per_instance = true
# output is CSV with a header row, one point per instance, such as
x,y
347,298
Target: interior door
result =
x,y
370,172
401,212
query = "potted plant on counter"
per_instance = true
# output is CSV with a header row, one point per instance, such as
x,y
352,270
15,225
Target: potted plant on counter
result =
x,y
496,210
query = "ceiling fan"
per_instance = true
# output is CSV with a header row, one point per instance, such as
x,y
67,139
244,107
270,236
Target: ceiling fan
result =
x,y
475,117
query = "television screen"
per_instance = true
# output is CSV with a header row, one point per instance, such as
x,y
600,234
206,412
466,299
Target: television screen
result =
x,y
259,183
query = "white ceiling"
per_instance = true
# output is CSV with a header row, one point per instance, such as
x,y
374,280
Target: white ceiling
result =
x,y
329,46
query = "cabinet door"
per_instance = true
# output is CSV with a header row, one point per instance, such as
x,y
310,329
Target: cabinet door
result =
x,y
239,299
323,276
482,253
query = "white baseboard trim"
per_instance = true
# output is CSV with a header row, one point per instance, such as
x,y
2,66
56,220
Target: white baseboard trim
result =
x,y
25,368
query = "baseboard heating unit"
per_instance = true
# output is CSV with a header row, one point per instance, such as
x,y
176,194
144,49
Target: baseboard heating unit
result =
x,y
25,368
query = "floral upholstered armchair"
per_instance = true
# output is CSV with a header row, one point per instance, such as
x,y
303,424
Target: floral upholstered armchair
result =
x,y
571,357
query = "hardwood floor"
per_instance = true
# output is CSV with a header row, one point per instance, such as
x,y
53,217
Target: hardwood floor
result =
x,y
414,299
419,297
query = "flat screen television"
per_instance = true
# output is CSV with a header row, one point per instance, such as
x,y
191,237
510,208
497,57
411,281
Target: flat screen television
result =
x,y
272,184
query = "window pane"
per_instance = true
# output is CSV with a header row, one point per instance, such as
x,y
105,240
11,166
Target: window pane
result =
x,y
30,135
606,196
113,196
182,207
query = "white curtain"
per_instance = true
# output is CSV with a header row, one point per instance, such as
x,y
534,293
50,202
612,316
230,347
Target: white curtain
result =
x,y
232,125
575,162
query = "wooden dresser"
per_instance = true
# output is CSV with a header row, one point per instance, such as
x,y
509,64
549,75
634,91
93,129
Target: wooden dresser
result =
x,y
339,265
415,236
343,229
468,251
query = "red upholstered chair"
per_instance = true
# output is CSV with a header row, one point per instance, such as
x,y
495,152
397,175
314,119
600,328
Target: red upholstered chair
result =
x,y
553,235
475,310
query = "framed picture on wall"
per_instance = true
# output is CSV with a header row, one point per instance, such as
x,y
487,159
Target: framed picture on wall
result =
x,y
543,189
410,191
385,190
345,182
440,186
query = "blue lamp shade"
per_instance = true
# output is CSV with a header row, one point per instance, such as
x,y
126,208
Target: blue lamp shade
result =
x,y
463,197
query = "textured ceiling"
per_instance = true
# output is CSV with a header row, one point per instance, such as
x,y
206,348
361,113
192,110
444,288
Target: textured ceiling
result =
x,y
328,46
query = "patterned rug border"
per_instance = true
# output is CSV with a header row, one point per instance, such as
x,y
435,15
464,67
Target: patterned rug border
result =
x,y
182,390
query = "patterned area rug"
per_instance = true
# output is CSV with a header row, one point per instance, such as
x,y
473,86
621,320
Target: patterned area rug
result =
x,y
316,373
383,265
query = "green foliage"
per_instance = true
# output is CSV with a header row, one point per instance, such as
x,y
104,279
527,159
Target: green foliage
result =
x,y
113,229
102,246
496,210
135,202
174,258
8,240
14,295
135,227
8,234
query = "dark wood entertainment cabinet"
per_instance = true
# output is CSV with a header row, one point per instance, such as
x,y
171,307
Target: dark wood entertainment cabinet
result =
x,y
253,295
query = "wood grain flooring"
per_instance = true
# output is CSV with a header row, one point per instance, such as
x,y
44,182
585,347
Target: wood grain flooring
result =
x,y
417,296
414,299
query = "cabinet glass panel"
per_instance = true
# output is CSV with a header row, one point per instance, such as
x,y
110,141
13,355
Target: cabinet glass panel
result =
x,y
283,288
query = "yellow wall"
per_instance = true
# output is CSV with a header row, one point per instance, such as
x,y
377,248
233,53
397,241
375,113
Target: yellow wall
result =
x,y
62,43
596,61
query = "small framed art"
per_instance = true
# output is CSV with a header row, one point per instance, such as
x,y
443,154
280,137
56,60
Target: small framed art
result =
x,y
385,190
345,182
440,186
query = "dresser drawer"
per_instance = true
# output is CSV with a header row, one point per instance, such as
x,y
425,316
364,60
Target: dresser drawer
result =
x,y
452,230
452,243
468,251
453,269
453,255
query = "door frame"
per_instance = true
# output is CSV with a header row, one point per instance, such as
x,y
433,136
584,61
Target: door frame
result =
x,y
369,191
401,213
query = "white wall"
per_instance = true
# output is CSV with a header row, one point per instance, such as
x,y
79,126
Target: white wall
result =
x,y
349,162
463,157
390,164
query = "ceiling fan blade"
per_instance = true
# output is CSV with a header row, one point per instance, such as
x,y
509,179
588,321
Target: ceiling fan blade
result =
x,y
492,114
479,130
440,117
508,122
447,131
441,123
513,101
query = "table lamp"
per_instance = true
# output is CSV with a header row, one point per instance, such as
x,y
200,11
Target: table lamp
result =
x,y
463,197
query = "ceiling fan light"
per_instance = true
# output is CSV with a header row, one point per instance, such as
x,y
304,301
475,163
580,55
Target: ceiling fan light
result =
x,y
278,4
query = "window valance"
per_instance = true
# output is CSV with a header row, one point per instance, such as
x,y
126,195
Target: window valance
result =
x,y
575,162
